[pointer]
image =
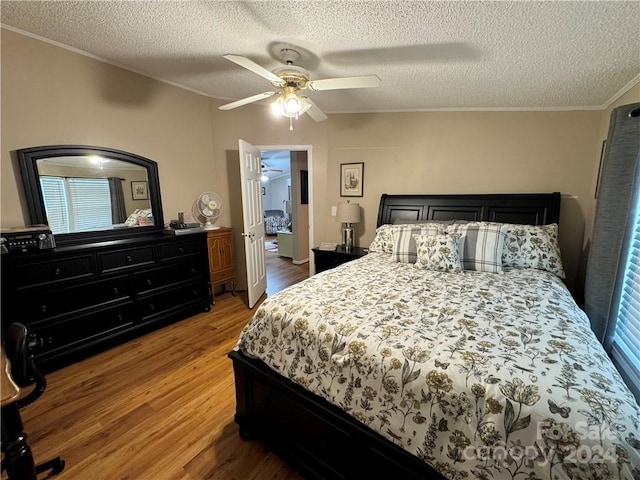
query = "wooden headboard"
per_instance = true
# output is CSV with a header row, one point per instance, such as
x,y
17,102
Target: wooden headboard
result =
x,y
526,208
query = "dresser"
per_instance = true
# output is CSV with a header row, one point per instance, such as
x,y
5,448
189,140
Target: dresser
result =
x,y
77,300
221,264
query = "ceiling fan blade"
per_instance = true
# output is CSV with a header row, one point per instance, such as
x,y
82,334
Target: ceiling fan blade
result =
x,y
255,68
365,81
313,111
246,101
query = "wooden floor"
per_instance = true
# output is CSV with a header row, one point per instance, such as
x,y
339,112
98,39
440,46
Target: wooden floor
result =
x,y
159,407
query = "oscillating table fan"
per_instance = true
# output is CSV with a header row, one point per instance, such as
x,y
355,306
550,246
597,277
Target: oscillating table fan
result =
x,y
206,209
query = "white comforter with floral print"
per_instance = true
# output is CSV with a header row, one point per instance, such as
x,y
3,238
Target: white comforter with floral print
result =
x,y
480,375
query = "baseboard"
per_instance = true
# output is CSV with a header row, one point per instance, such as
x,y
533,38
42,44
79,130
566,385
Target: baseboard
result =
x,y
300,262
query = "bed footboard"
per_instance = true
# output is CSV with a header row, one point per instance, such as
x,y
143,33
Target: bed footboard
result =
x,y
320,440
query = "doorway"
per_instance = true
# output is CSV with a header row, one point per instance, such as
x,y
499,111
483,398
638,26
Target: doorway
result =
x,y
288,192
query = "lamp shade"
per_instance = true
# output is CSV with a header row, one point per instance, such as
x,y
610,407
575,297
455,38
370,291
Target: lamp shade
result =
x,y
348,212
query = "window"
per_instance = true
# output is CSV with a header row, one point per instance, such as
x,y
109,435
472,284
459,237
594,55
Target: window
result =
x,y
625,349
76,204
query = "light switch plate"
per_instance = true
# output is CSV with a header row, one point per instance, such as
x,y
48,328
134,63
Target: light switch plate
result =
x,y
334,211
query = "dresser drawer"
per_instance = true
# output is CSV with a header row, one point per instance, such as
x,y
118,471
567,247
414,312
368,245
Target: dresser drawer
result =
x,y
182,249
48,305
32,274
122,259
83,329
173,299
151,280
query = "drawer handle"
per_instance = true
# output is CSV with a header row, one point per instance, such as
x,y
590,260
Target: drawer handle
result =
x,y
152,307
43,308
119,317
57,271
149,282
115,290
192,271
129,258
181,250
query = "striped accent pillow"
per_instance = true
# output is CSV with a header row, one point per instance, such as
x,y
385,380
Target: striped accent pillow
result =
x,y
405,249
481,245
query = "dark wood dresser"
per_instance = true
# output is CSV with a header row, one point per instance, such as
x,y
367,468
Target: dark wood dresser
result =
x,y
78,300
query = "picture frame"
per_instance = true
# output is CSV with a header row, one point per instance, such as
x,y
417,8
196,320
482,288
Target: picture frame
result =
x,y
352,179
140,190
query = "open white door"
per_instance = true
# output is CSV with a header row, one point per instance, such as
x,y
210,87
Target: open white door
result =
x,y
253,220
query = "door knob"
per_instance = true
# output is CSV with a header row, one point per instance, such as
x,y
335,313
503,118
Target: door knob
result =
x,y
248,234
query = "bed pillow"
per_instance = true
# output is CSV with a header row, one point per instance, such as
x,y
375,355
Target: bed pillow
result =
x,y
402,221
481,245
533,246
405,249
438,252
383,241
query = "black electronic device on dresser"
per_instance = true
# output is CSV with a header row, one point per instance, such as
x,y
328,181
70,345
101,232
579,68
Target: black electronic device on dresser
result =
x,y
99,288
328,259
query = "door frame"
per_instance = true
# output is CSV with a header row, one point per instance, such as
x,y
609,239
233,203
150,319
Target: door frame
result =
x,y
309,150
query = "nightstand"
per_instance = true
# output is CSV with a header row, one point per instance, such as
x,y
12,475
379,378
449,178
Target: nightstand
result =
x,y
328,259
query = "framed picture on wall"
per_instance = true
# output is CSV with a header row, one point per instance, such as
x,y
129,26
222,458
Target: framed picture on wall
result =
x,y
352,179
139,191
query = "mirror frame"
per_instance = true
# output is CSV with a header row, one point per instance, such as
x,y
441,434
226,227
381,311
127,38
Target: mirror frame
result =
x,y
28,163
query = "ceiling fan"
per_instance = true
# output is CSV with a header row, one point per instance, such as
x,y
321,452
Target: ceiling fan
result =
x,y
290,80
266,168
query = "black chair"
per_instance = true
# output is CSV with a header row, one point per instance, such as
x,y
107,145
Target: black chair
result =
x,y
18,459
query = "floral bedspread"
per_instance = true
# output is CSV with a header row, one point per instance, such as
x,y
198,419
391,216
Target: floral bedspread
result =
x,y
480,375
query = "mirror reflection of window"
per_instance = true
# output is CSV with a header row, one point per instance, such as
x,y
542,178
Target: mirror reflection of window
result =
x,y
87,193
77,204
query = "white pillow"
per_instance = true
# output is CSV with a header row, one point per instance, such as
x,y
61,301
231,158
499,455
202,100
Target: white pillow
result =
x,y
533,246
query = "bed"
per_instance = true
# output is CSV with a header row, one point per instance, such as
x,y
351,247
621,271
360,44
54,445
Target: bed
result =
x,y
381,369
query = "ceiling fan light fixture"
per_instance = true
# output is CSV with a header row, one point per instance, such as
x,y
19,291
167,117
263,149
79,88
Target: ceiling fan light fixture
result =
x,y
289,104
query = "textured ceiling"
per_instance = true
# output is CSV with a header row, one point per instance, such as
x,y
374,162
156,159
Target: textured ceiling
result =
x,y
429,55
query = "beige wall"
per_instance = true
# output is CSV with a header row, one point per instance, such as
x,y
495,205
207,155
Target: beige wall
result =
x,y
301,211
51,95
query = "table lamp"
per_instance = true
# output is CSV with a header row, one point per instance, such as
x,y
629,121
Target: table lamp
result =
x,y
348,213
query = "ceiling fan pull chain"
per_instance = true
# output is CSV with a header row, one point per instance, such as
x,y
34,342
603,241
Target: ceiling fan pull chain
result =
x,y
290,123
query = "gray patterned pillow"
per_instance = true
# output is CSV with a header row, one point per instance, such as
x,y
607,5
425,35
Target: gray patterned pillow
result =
x,y
481,245
533,246
383,241
405,249
438,252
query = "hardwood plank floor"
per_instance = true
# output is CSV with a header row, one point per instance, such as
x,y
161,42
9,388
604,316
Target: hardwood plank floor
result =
x,y
158,407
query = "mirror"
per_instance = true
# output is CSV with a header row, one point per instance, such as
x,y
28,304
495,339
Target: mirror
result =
x,y
86,193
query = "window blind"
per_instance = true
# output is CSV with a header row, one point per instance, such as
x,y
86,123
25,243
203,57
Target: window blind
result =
x,y
90,208
55,198
76,204
625,349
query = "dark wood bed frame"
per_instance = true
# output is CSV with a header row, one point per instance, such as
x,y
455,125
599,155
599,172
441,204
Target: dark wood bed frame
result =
x,y
321,440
